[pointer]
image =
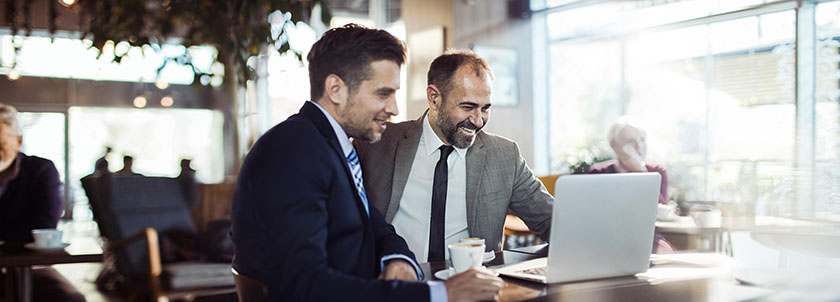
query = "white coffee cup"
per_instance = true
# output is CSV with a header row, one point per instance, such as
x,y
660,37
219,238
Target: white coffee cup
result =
x,y
708,219
47,238
466,255
471,240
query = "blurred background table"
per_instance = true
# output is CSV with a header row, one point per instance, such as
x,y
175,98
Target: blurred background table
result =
x,y
18,261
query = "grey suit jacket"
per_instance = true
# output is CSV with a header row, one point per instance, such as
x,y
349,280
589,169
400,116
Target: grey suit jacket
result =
x,y
497,179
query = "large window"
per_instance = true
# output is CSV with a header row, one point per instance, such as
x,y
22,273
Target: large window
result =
x,y
827,114
74,58
716,94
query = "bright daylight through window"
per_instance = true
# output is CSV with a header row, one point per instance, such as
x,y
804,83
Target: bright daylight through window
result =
x,y
716,94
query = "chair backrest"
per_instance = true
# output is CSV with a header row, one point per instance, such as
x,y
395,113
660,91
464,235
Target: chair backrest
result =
x,y
131,203
249,289
548,181
214,203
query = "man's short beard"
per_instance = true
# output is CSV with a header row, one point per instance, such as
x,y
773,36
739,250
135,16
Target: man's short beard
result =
x,y
452,134
360,132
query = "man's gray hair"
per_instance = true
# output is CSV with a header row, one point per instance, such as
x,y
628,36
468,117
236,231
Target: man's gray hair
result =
x,y
8,116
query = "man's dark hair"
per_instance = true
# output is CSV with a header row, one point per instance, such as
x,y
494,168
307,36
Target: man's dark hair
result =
x,y
347,52
443,68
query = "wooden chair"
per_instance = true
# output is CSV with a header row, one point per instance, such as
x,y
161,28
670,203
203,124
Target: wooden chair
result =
x,y
514,226
131,211
249,289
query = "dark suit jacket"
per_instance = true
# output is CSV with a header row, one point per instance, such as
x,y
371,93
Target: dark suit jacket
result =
x,y
498,179
31,199
299,225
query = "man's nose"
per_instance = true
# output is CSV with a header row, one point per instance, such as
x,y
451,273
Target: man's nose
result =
x,y
391,106
476,119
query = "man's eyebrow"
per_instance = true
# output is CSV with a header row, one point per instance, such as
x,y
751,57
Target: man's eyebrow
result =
x,y
385,90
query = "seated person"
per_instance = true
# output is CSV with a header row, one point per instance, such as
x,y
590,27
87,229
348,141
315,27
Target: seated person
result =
x,y
30,198
628,142
441,177
302,221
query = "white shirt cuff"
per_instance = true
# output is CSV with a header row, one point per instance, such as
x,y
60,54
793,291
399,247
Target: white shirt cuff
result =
x,y
406,258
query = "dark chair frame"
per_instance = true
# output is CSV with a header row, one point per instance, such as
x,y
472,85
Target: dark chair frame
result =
x,y
97,192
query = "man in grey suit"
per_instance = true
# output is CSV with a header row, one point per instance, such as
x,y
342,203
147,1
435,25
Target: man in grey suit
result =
x,y
441,178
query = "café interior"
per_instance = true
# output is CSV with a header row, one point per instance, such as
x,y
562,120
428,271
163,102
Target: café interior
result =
x,y
740,100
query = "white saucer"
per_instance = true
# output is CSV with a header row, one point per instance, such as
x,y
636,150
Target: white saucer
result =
x,y
489,256
34,247
445,274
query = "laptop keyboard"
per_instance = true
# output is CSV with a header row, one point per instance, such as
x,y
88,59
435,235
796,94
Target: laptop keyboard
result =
x,y
540,271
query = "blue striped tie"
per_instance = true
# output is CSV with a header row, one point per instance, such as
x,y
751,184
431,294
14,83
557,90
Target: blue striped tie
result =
x,y
356,169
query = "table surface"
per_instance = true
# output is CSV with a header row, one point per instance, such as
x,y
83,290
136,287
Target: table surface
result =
x,y
16,255
686,224
676,286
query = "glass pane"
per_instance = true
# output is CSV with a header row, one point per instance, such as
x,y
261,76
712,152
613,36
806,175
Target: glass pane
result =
x,y
716,100
157,139
827,148
723,121
626,16
668,96
43,136
73,58
585,97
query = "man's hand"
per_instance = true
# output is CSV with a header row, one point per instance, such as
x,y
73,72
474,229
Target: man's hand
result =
x,y
475,284
398,269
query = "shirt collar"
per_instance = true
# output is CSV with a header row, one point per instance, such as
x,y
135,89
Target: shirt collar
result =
x,y
433,142
343,139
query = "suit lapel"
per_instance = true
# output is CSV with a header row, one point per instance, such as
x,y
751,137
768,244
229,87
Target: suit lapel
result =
x,y
405,152
475,167
323,125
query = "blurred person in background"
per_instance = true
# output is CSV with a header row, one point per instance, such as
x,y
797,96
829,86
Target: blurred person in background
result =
x,y
188,183
101,165
629,142
128,164
30,198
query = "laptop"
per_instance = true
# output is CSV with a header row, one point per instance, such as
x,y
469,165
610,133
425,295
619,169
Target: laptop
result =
x,y
602,226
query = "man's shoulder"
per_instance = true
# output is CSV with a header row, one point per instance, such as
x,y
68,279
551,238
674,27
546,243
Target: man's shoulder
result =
x,y
35,162
497,143
296,137
396,130
295,127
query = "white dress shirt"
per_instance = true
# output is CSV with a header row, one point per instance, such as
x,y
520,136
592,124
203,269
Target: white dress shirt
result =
x,y
414,214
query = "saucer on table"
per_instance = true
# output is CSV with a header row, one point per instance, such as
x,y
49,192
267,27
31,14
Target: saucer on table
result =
x,y
446,273
34,247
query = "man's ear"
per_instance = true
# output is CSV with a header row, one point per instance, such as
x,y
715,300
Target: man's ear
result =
x,y
336,91
433,96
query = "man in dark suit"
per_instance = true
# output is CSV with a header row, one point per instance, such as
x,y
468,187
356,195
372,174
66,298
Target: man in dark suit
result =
x,y
302,224
30,198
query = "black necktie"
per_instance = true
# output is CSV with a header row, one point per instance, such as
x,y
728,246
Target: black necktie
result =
x,y
438,221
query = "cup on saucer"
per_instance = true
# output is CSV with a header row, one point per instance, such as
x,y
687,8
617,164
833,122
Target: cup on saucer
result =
x,y
47,238
466,255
